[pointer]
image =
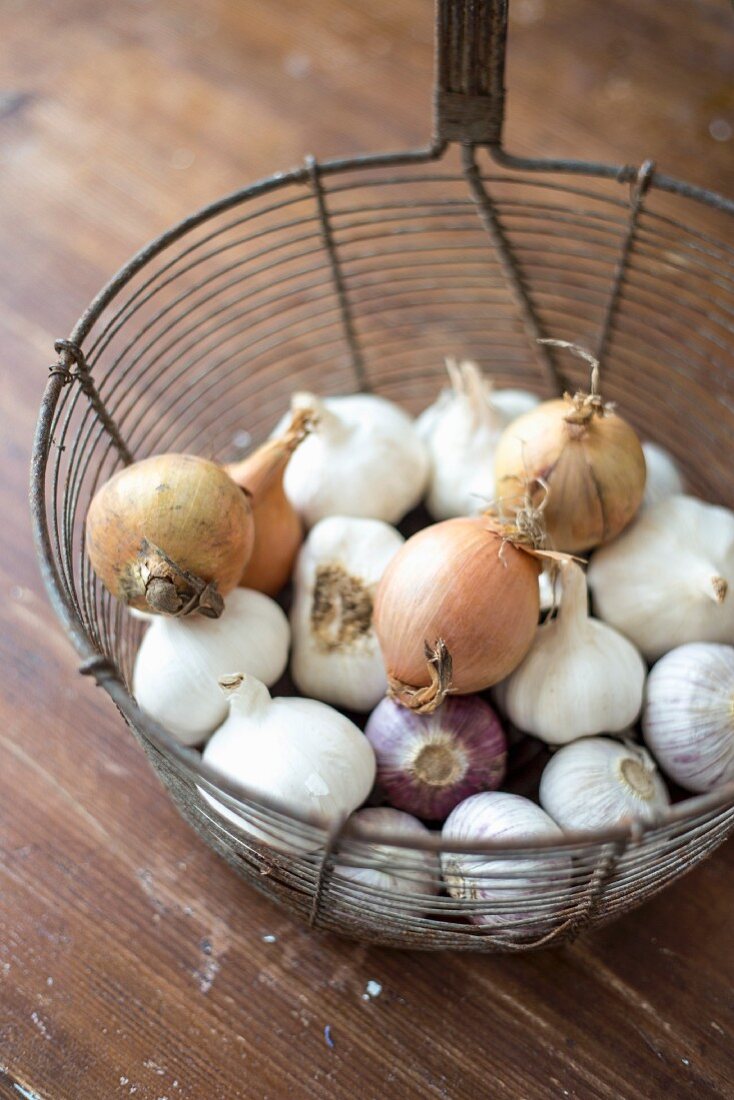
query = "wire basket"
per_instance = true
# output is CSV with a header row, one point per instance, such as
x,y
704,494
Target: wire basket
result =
x,y
366,273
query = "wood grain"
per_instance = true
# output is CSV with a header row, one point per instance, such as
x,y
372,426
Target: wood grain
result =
x,y
132,963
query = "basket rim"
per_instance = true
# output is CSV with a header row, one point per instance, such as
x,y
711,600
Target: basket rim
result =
x,y
106,674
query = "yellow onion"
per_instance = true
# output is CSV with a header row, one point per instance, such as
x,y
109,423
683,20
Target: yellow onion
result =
x,y
170,534
583,457
278,528
456,611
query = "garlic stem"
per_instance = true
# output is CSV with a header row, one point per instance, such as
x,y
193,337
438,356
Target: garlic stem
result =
x,y
574,609
329,424
245,694
467,383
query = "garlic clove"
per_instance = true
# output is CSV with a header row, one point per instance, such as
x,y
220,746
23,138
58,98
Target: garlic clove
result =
x,y
688,719
598,783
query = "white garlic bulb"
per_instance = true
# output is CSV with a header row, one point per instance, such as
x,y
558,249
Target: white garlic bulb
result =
x,y
580,677
179,662
363,458
302,754
336,655
665,581
688,718
597,783
511,889
462,429
664,479
386,869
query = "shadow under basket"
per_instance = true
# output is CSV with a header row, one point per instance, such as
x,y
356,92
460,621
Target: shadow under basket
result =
x,y
365,274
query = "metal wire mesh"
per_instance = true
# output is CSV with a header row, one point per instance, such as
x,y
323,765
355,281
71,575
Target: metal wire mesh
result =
x,y
329,279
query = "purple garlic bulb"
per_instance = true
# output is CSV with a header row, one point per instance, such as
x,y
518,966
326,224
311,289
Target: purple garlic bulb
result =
x,y
429,763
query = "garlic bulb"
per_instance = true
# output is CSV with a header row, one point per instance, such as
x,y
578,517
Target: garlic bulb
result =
x,y
597,783
364,458
336,655
461,430
512,889
580,677
428,763
688,719
664,479
386,869
300,753
666,581
180,661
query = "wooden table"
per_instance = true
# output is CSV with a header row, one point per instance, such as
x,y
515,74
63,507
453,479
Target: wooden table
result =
x,y
132,963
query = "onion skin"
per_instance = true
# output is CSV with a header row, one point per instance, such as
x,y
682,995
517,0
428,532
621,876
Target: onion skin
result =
x,y
461,589
170,534
591,461
278,528
428,763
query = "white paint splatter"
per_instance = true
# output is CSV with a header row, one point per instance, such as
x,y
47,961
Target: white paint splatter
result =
x,y
49,981
40,1025
270,938
150,1064
297,65
208,973
371,990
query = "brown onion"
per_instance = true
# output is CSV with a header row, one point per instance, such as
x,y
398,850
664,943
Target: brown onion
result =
x,y
456,611
586,459
170,534
278,528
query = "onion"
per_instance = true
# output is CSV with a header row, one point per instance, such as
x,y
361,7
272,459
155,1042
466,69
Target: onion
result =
x,y
587,460
428,763
456,610
170,534
278,528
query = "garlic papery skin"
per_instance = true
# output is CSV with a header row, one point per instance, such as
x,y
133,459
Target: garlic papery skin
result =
x,y
461,430
597,783
580,677
179,662
336,655
510,889
299,753
666,581
664,479
688,717
364,458
386,869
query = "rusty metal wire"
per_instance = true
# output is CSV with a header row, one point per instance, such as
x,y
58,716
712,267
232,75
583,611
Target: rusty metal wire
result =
x,y
367,273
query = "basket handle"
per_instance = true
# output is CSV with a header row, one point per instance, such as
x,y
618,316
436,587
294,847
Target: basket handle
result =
x,y
471,38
